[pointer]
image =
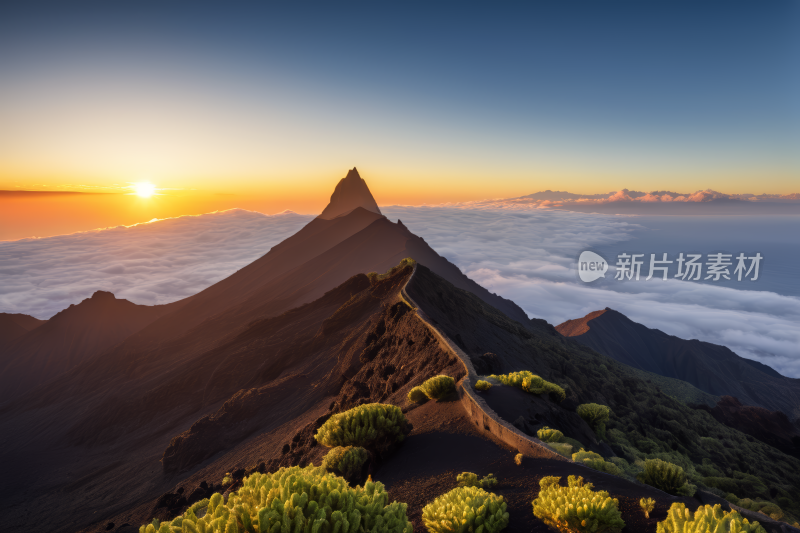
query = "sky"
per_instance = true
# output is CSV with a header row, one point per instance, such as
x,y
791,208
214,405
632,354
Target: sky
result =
x,y
265,106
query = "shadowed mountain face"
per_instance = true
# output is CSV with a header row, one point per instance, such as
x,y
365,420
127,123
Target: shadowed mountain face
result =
x,y
15,325
351,192
772,427
709,367
69,338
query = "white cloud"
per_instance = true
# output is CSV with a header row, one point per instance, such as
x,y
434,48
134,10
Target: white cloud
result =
x,y
521,252
153,263
528,255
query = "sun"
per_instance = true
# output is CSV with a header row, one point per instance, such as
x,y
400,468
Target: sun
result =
x,y
144,189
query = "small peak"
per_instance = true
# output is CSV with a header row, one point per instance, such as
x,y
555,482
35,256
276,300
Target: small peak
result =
x,y
103,295
350,193
400,223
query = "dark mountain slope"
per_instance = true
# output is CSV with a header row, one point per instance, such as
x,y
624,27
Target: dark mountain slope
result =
x,y
299,270
13,325
645,422
394,353
712,368
772,427
357,343
375,248
69,338
313,239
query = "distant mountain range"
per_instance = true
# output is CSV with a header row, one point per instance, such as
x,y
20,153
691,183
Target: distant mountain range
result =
x,y
709,367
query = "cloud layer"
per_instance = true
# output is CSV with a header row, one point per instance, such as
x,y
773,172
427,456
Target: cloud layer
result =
x,y
529,256
152,263
523,253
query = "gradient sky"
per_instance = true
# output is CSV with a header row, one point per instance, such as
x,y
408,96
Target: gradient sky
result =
x,y
266,106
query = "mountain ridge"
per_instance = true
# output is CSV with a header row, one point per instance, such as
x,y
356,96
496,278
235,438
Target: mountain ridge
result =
x,y
710,367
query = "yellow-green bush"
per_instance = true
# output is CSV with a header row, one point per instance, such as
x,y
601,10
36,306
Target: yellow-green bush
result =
x,y
482,385
647,505
667,477
547,434
561,448
518,459
530,382
373,426
596,461
466,509
706,519
576,508
294,500
468,479
417,395
596,416
438,387
348,461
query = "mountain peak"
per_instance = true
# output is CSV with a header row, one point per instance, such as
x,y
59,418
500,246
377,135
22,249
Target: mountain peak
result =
x,y
350,193
103,295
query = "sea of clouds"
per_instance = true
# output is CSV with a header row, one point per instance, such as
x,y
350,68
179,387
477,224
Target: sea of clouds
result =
x,y
152,263
527,255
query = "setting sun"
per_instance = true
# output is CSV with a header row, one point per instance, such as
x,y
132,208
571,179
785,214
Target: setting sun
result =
x,y
144,189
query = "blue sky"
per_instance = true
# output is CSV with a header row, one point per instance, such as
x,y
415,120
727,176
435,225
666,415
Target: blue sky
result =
x,y
597,96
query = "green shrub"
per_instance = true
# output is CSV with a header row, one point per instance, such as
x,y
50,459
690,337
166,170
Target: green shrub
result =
x,y
226,480
596,416
468,479
294,500
647,505
549,435
530,382
438,387
482,385
417,395
561,448
596,461
583,455
577,445
348,461
576,508
706,519
667,477
375,426
731,497
466,509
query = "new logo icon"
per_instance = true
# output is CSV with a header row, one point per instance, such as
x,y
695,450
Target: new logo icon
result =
x,y
591,266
